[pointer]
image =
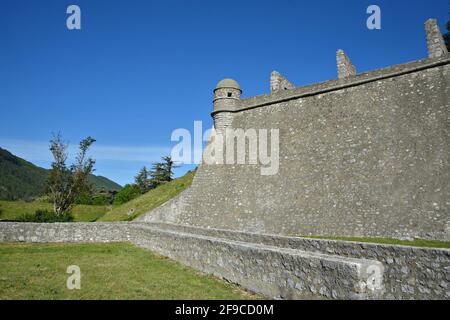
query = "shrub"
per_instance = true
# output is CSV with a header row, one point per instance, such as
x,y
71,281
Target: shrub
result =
x,y
44,216
84,198
129,192
101,198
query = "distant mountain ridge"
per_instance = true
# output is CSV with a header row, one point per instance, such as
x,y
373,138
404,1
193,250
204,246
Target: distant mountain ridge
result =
x,y
22,180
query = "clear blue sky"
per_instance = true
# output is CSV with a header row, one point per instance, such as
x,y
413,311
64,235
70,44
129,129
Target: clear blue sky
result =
x,y
140,69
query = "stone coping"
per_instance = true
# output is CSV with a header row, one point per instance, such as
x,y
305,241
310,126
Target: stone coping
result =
x,y
334,85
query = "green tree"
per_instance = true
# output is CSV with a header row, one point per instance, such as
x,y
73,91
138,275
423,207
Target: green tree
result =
x,y
127,193
168,165
157,175
65,184
447,36
142,180
162,172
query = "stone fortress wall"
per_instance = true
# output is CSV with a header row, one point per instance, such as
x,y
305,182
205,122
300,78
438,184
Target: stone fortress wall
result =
x,y
364,155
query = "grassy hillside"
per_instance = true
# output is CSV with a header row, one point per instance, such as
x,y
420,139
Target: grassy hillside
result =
x,y
152,199
109,271
22,180
11,210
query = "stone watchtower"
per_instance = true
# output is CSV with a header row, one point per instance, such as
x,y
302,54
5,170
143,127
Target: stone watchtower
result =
x,y
227,96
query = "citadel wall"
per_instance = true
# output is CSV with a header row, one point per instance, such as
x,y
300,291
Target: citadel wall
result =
x,y
365,155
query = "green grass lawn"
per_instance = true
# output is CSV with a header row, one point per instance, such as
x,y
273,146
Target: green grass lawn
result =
x,y
108,271
150,200
11,210
413,243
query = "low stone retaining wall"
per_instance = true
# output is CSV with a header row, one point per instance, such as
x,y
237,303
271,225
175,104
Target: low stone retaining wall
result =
x,y
273,271
64,232
276,266
409,272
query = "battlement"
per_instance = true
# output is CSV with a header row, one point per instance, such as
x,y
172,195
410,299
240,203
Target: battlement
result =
x,y
334,85
282,90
